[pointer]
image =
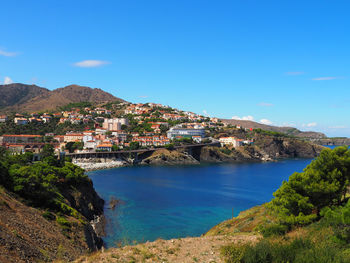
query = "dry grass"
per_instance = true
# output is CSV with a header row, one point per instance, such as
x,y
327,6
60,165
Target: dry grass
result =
x,y
192,249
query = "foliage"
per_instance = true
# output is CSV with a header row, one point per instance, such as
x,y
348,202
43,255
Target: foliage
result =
x,y
274,229
339,219
72,146
226,151
170,146
134,146
76,105
115,148
47,151
109,105
295,251
42,128
42,183
271,133
49,216
163,128
322,183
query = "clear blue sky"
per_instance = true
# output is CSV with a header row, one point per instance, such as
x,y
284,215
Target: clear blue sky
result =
x,y
284,62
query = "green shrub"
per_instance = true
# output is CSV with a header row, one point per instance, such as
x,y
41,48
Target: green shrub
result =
x,y
275,229
339,219
226,151
296,251
48,215
233,253
322,183
64,223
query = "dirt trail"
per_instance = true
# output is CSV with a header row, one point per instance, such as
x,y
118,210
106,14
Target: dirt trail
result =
x,y
184,250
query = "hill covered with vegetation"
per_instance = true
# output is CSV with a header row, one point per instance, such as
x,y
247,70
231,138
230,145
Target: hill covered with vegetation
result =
x,y
308,220
45,209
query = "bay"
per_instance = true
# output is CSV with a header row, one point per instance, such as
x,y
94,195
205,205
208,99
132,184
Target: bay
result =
x,y
179,201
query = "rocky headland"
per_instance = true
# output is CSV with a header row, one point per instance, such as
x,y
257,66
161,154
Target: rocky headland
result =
x,y
265,148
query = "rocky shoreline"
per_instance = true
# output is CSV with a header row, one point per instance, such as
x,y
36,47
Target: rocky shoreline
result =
x,y
93,164
266,151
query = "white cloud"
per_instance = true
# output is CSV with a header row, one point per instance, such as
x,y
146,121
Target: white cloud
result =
x,y
7,80
295,73
206,113
288,124
143,96
244,118
90,63
266,121
7,54
325,78
311,124
265,104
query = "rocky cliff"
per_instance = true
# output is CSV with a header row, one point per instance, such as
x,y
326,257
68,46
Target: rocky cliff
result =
x,y
265,148
28,234
332,141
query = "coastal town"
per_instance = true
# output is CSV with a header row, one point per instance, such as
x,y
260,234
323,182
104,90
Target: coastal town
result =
x,y
82,127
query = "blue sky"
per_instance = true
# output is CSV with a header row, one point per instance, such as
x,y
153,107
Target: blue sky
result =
x,y
278,62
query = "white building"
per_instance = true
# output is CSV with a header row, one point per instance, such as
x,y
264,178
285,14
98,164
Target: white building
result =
x,y
3,118
114,124
21,121
230,141
176,132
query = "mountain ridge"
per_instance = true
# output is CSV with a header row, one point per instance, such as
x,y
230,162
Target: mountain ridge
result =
x,y
18,97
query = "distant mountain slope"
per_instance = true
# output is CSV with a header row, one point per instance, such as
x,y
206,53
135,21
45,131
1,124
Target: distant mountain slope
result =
x,y
286,130
30,98
17,93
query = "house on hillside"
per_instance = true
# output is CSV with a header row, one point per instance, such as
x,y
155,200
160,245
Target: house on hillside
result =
x,y
232,141
20,121
104,147
73,137
3,118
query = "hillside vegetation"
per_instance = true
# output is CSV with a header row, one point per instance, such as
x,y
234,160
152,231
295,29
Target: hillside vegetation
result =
x,y
310,217
45,209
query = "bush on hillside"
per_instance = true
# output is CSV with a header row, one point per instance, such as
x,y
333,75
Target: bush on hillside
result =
x,y
41,183
295,251
323,183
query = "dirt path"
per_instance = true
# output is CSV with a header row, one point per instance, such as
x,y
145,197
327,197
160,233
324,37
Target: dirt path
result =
x,y
185,250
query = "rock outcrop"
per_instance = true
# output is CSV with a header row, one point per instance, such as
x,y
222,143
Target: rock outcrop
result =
x,y
168,157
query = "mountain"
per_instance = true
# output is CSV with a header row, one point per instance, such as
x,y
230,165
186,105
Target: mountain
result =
x,y
19,94
19,97
287,130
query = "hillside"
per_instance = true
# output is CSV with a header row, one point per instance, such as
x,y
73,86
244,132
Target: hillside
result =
x,y
287,130
19,94
48,209
28,234
31,98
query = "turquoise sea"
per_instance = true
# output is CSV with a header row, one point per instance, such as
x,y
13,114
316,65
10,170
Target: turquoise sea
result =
x,y
172,202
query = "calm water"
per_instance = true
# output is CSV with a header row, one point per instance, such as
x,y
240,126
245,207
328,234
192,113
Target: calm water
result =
x,y
172,202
